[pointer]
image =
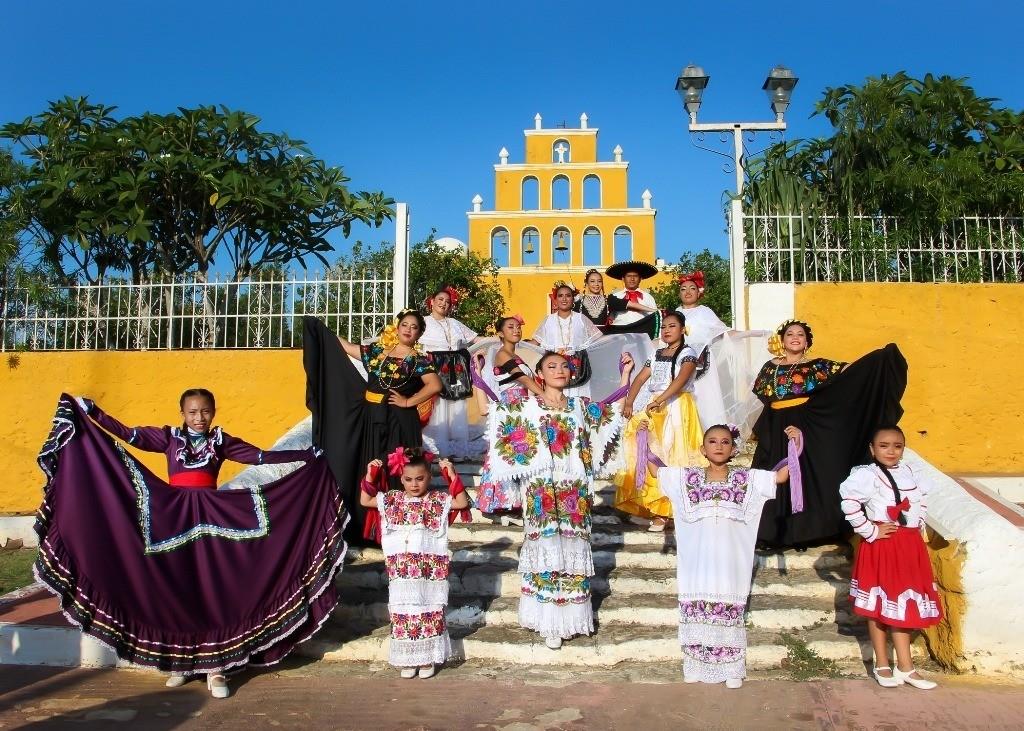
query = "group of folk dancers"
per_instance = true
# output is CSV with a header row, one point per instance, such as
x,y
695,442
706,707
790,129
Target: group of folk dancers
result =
x,y
189,579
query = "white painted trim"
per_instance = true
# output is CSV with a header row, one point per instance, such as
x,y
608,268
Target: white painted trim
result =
x,y
770,304
1009,489
559,132
559,166
18,526
538,269
570,212
67,647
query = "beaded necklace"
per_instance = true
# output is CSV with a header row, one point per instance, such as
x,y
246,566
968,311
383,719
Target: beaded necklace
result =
x,y
594,304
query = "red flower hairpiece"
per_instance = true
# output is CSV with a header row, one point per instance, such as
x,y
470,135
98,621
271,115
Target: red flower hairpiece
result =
x,y
398,459
453,296
696,277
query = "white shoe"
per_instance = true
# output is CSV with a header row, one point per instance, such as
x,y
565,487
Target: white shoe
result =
x,y
918,682
176,680
657,525
218,686
890,682
734,683
507,520
408,673
427,671
553,643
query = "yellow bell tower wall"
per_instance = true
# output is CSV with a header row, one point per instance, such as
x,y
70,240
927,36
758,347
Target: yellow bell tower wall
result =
x,y
538,240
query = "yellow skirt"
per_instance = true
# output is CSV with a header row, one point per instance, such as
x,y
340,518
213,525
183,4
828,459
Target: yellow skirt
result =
x,y
675,436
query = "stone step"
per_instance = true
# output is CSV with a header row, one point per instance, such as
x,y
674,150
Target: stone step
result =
x,y
502,579
644,556
609,646
369,608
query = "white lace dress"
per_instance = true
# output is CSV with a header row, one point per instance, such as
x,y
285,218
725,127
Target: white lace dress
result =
x,y
716,528
414,537
448,432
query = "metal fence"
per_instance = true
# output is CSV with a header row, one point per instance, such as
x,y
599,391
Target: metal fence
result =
x,y
263,312
795,248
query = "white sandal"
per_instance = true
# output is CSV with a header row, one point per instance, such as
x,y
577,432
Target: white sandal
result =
x,y
176,680
218,686
408,673
918,682
890,682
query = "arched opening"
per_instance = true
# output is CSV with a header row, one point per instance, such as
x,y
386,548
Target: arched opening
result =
x,y
530,194
592,254
561,151
561,246
530,246
591,192
560,192
499,246
623,244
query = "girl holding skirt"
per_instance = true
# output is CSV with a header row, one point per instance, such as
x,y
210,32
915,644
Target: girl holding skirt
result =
x,y
837,406
892,584
663,418
553,453
180,576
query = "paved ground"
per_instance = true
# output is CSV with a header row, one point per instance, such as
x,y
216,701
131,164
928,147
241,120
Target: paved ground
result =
x,y
370,697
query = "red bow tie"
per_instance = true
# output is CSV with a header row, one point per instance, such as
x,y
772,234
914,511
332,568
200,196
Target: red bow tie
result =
x,y
632,295
895,510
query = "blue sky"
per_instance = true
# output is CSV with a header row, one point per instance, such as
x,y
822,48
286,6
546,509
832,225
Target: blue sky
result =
x,y
416,98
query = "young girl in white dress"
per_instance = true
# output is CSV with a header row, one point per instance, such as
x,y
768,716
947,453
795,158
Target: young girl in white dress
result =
x,y
717,511
448,431
892,584
569,334
414,537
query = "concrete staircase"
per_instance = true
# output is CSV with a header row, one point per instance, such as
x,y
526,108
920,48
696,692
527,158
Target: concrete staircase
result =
x,y
803,594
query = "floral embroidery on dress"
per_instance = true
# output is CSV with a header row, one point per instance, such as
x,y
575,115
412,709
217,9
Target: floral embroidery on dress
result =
x,y
427,511
713,655
703,611
598,414
517,441
778,382
376,361
429,566
513,398
556,588
733,490
421,626
557,508
557,432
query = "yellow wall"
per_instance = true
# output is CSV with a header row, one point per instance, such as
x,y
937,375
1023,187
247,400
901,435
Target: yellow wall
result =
x,y
260,395
964,406
540,143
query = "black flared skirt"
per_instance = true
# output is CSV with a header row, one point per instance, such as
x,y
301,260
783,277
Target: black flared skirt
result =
x,y
837,422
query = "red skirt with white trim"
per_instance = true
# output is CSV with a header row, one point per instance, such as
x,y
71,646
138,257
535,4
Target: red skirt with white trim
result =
x,y
893,582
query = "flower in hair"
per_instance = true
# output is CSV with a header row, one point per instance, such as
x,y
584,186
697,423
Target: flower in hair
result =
x,y
696,277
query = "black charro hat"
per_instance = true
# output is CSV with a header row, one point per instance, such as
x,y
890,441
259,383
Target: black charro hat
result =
x,y
618,271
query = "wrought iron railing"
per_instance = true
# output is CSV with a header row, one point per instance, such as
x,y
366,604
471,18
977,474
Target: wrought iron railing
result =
x,y
190,312
797,248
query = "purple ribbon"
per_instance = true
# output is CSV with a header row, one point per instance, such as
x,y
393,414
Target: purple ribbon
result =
x,y
479,382
796,488
618,393
644,456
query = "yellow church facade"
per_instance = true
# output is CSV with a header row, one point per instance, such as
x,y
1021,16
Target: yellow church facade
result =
x,y
557,214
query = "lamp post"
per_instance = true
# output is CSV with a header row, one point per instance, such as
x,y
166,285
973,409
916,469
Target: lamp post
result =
x,y
779,86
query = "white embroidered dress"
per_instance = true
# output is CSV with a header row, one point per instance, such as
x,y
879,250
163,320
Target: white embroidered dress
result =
x,y
448,431
554,453
716,528
568,335
414,538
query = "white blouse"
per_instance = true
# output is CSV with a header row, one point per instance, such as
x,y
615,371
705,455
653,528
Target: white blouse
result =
x,y
573,333
445,334
702,326
866,494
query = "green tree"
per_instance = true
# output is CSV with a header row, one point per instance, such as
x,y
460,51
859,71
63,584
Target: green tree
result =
x,y
924,150
717,291
169,192
475,277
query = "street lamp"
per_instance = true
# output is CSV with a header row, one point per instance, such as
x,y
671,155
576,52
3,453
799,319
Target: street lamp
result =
x,y
779,86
